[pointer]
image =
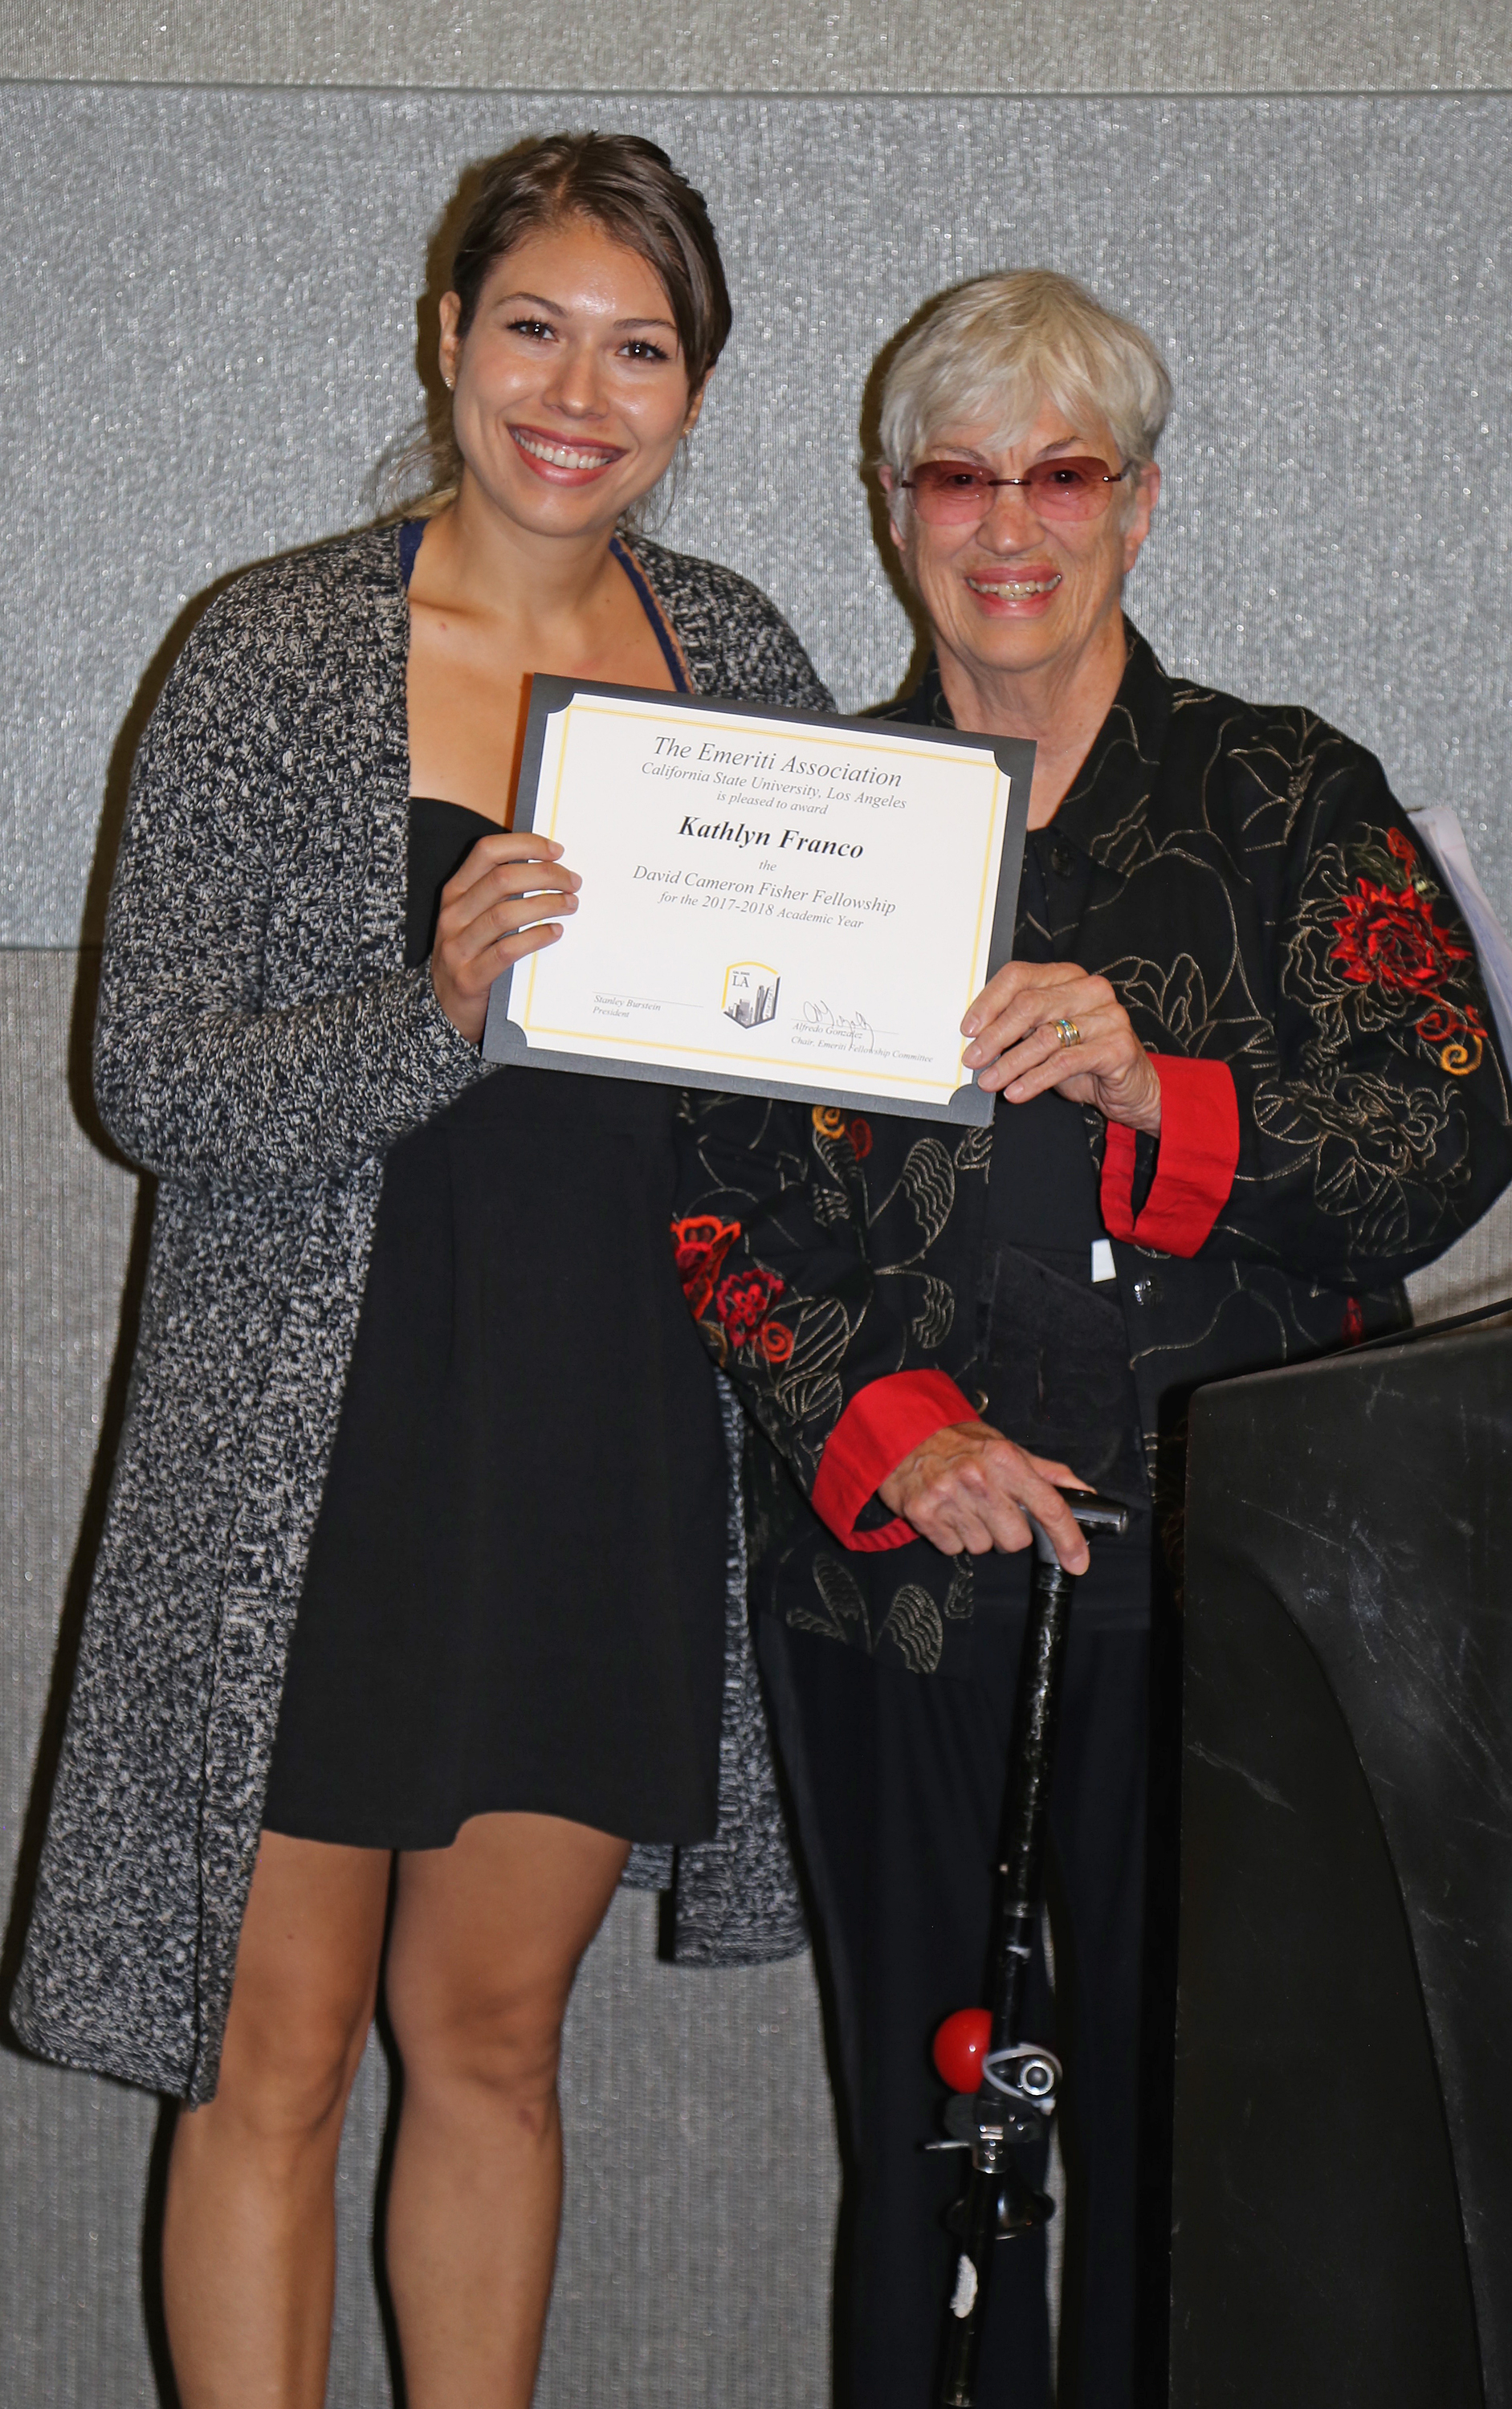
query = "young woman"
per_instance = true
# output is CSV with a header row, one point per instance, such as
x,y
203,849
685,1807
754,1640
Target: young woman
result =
x,y
409,1614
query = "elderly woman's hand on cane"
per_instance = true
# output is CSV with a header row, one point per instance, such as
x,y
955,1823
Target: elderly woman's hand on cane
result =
x,y
969,1490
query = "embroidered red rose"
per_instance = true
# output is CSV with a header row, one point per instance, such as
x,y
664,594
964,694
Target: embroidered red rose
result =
x,y
743,1300
1394,941
702,1242
1354,1322
860,1134
776,1342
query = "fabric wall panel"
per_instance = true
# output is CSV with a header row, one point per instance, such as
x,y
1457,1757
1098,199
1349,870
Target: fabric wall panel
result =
x,y
1476,1273
211,340
73,2153
892,46
210,300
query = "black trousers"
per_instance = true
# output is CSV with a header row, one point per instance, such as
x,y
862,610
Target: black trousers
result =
x,y
896,1783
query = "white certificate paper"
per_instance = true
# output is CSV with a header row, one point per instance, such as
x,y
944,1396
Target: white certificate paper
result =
x,y
771,902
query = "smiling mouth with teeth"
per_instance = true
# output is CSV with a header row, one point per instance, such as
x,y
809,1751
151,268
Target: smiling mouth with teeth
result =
x,y
562,455
1014,589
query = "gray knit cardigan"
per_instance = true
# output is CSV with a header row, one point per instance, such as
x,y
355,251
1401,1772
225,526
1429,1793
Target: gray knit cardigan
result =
x,y
260,1046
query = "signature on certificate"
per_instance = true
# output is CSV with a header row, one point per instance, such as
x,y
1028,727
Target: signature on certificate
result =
x,y
850,1030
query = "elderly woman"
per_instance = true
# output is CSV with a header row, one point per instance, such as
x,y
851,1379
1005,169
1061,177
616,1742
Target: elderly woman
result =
x,y
1245,1083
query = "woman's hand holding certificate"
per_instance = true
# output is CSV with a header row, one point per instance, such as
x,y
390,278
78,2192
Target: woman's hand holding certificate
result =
x,y
497,909
799,906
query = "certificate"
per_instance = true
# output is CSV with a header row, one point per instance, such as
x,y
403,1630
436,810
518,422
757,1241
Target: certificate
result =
x,y
771,902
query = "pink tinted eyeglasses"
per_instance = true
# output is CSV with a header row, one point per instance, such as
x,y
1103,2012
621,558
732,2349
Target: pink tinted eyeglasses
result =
x,y
957,493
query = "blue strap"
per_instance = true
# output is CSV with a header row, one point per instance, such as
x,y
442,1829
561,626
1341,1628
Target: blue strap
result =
x,y
412,534
652,608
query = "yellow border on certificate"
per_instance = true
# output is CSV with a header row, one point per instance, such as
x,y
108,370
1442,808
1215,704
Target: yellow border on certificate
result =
x,y
733,1054
891,749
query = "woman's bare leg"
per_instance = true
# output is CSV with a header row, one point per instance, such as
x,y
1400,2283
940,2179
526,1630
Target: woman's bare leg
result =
x,y
486,1939
249,2231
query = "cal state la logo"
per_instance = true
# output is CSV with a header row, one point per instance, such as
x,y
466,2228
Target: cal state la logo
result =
x,y
751,994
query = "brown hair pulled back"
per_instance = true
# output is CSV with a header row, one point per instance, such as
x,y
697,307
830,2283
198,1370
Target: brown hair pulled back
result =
x,y
629,188
632,190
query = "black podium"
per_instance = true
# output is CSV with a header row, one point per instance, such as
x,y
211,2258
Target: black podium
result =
x,y
1343,2204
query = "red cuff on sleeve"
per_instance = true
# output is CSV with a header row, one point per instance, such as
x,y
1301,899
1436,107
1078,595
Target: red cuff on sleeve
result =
x,y
1194,1169
884,1421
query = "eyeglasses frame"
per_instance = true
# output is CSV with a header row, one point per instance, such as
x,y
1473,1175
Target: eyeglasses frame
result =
x,y
906,484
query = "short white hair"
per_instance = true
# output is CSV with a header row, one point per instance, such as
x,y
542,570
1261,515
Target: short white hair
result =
x,y
992,351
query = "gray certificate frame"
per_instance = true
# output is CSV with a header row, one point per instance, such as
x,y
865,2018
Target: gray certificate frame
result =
x,y
505,1041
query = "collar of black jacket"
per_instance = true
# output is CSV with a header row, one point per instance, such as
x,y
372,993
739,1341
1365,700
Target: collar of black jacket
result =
x,y
1125,751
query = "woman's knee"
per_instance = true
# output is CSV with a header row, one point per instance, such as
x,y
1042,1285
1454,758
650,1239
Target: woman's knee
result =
x,y
500,2047
285,2079
302,1999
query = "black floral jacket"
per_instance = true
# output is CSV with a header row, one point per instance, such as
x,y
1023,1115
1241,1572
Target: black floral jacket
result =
x,y
1336,1115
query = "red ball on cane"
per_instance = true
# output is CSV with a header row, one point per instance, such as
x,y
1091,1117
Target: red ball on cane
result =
x,y
959,2046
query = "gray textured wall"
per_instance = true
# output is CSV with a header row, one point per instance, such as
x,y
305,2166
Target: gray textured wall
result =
x,y
846,46
208,297
212,334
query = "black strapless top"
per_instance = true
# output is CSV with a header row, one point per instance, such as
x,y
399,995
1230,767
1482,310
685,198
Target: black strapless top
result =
x,y
514,1596
441,836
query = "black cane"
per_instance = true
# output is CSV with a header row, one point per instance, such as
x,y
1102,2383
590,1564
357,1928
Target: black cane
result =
x,y
1015,2097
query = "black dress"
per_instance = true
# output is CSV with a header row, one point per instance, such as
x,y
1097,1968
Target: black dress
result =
x,y
514,1595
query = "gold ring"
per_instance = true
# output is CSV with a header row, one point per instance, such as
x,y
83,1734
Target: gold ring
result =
x,y
1068,1033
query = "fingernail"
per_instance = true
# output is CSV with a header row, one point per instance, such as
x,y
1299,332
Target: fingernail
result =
x,y
970,1026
